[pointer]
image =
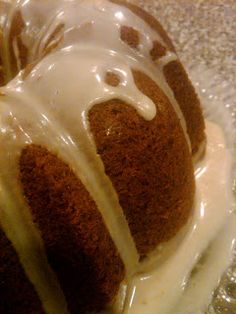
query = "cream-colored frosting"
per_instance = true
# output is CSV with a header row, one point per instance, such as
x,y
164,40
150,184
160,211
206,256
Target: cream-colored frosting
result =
x,y
16,222
64,85
87,21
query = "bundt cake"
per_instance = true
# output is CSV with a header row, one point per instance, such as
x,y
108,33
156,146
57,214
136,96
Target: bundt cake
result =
x,y
99,125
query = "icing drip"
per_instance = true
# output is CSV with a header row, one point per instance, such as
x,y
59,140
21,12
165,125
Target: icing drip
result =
x,y
56,97
84,67
87,21
16,219
29,248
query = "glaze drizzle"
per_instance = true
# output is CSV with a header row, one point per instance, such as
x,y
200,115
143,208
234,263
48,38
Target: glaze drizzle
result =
x,y
57,117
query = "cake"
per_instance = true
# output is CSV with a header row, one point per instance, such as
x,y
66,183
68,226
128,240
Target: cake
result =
x,y
100,125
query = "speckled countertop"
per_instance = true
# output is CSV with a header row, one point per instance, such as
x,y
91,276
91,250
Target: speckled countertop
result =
x,y
203,30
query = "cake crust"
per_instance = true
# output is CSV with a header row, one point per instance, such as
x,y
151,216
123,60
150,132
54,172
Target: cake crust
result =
x,y
77,243
153,178
18,295
176,77
189,103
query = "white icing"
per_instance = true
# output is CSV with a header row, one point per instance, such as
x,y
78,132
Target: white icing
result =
x,y
87,21
85,68
16,219
65,77
54,103
167,289
56,97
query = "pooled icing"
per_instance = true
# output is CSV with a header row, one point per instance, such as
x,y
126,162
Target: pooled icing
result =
x,y
169,287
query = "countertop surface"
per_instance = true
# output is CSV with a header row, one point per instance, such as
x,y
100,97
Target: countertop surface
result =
x,y
203,31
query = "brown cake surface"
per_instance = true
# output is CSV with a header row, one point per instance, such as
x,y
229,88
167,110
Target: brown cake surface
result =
x,y
148,162
3,8
155,190
17,293
72,229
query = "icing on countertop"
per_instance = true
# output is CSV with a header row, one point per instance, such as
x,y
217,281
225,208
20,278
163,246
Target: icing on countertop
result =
x,y
175,285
